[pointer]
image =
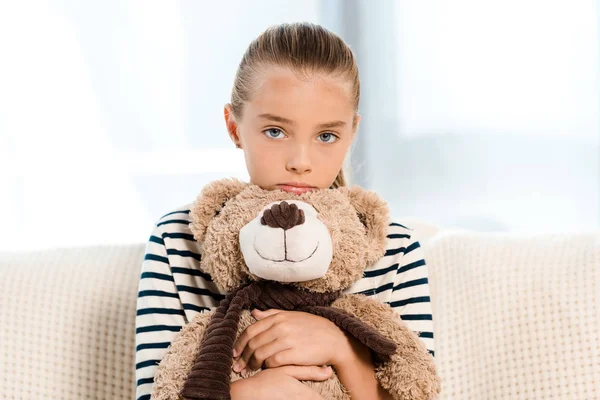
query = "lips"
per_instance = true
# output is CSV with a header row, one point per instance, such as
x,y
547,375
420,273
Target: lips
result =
x,y
296,187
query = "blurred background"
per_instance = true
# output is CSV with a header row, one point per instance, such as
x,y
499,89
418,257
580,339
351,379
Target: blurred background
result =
x,y
477,114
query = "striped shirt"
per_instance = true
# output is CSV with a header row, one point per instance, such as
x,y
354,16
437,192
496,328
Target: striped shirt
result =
x,y
173,289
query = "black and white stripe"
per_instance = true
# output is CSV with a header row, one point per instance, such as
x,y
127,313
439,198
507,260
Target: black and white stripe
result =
x,y
173,289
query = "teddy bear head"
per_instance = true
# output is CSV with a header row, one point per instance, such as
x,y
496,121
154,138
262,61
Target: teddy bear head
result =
x,y
320,240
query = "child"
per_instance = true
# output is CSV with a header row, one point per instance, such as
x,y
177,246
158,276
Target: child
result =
x,y
294,114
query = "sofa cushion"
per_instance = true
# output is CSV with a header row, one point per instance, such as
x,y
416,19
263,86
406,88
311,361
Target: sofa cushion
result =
x,y
67,324
516,316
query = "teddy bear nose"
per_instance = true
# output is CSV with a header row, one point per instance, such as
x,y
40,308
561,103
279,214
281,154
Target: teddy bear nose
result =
x,y
283,215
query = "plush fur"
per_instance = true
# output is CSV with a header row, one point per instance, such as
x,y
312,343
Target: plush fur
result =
x,y
410,373
173,369
357,221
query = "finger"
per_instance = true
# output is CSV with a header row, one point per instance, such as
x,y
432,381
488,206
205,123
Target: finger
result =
x,y
250,332
285,357
264,352
308,372
258,314
253,345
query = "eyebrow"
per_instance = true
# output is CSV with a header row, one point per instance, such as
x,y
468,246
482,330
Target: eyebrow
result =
x,y
325,125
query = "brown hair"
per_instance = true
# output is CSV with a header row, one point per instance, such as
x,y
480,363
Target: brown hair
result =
x,y
303,47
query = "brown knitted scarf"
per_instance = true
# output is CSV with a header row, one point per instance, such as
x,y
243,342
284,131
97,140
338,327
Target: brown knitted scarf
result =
x,y
210,376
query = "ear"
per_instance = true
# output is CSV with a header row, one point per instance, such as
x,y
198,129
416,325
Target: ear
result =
x,y
232,126
209,203
373,213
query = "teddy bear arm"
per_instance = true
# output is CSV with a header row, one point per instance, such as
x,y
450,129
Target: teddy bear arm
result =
x,y
410,372
175,365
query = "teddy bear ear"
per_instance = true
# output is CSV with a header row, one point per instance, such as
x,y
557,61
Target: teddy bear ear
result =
x,y
373,212
209,203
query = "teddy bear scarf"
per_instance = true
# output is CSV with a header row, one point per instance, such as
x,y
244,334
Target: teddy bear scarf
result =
x,y
210,376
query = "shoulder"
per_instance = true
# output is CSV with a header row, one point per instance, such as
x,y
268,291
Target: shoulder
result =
x,y
378,278
399,230
400,236
180,214
412,231
403,252
401,241
172,228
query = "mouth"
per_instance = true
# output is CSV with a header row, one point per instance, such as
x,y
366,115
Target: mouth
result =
x,y
296,187
286,259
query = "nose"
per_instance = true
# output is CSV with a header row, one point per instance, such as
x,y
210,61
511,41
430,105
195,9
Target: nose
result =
x,y
283,215
299,161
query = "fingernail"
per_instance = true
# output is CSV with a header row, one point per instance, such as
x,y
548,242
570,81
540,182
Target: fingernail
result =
x,y
236,367
235,352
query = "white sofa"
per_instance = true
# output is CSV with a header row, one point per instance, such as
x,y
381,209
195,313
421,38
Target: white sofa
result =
x,y
515,316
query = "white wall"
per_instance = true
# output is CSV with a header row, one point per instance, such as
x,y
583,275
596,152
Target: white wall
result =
x,y
479,115
487,117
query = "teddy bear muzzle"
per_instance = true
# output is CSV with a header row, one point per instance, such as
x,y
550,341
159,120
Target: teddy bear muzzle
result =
x,y
286,242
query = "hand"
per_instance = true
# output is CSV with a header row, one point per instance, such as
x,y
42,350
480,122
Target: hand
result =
x,y
289,338
281,383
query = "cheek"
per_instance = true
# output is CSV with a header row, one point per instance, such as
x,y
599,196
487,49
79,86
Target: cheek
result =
x,y
262,161
331,159
267,160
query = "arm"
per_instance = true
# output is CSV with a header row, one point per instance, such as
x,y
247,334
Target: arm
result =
x,y
159,315
410,296
281,382
409,373
357,373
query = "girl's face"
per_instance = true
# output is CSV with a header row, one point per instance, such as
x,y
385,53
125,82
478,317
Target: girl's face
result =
x,y
294,132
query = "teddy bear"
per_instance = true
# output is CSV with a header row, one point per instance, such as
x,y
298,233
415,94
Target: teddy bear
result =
x,y
274,249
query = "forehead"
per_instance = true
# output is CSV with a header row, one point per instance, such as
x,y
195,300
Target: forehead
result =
x,y
316,98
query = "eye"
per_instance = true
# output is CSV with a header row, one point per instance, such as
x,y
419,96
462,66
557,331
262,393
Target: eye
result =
x,y
274,133
328,137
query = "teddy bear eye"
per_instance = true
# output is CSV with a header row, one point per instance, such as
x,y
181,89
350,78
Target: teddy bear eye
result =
x,y
362,219
217,212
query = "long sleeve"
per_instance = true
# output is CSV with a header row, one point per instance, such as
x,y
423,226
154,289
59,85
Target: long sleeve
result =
x,y
159,316
410,295
172,290
400,279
